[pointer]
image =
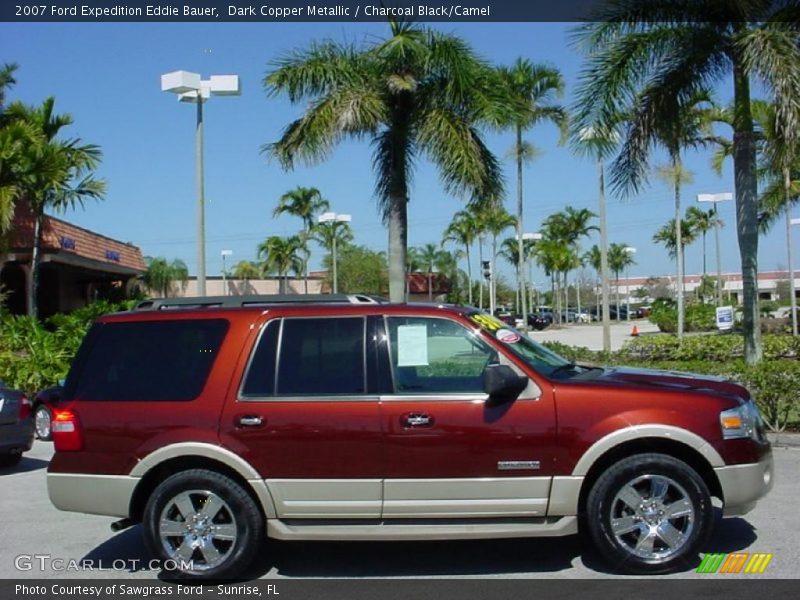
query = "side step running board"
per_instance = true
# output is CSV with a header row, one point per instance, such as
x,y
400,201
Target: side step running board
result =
x,y
313,529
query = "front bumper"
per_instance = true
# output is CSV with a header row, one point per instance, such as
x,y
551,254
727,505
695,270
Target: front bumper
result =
x,y
743,485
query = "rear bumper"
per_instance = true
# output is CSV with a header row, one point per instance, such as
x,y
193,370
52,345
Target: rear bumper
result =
x,y
93,494
743,485
16,437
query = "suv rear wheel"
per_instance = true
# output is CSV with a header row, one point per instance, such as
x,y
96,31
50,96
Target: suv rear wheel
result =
x,y
649,513
203,525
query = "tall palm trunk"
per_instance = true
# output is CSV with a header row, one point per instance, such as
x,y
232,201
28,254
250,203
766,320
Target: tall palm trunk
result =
x,y
604,258
676,165
398,240
305,260
744,161
480,280
36,253
430,283
787,192
520,245
493,280
469,276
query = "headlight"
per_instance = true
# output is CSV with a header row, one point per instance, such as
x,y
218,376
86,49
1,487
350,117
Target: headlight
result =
x,y
741,422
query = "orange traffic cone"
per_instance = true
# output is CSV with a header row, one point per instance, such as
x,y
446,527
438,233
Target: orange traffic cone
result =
x,y
635,331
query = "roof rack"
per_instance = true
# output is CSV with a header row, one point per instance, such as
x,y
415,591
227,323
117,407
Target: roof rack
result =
x,y
254,300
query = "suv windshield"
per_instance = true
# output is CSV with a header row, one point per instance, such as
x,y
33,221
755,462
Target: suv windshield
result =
x,y
544,361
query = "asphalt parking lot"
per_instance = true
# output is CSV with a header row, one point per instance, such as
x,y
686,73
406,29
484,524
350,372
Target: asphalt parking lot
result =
x,y
36,535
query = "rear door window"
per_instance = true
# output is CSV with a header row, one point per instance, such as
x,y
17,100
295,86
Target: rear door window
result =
x,y
321,356
150,360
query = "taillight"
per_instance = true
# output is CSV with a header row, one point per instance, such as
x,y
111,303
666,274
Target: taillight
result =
x,y
66,430
24,407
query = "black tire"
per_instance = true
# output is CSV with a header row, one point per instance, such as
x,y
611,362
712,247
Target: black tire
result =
x,y
649,513
43,420
233,514
9,460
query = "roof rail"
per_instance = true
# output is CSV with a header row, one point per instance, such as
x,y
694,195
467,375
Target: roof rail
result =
x,y
254,300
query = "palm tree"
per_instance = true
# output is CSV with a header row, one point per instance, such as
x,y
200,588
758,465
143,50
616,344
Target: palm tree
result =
x,y
535,88
665,236
305,203
281,255
662,52
414,263
592,258
463,229
246,270
495,220
161,275
6,81
509,250
333,235
55,174
418,93
428,255
701,221
618,260
598,141
554,256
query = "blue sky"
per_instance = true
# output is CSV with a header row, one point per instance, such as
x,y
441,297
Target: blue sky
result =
x,y
107,77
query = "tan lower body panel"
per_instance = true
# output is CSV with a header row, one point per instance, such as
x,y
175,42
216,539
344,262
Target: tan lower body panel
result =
x,y
326,498
108,495
456,530
465,498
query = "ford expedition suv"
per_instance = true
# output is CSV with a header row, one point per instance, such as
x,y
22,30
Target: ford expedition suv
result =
x,y
219,422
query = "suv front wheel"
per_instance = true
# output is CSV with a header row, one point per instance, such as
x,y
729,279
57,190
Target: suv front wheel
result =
x,y
649,513
203,525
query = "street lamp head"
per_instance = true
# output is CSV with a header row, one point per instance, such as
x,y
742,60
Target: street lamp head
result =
x,y
714,197
328,217
630,249
226,252
532,236
188,86
795,221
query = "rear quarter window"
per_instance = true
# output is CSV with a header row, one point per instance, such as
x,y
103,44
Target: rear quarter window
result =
x,y
148,360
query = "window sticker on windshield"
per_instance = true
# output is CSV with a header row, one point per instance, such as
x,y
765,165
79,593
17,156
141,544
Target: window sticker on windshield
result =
x,y
412,346
507,336
487,322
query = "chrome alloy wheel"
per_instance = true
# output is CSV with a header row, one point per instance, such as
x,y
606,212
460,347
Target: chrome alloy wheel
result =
x,y
197,527
652,517
41,423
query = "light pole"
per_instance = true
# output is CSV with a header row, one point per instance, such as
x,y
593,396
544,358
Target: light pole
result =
x,y
332,217
792,292
714,198
224,254
190,88
629,250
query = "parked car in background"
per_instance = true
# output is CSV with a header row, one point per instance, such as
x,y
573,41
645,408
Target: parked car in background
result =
x,y
539,321
16,425
44,404
573,315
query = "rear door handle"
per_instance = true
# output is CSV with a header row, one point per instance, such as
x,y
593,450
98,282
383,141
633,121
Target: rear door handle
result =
x,y
250,421
416,420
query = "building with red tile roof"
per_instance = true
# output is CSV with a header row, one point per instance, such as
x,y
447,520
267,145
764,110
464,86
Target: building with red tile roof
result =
x,y
77,265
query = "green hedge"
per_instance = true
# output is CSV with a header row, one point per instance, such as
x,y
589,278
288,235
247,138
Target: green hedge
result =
x,y
774,382
35,354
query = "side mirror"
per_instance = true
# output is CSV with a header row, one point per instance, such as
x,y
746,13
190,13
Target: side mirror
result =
x,y
502,382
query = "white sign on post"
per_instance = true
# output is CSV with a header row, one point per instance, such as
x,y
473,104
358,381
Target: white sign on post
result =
x,y
724,318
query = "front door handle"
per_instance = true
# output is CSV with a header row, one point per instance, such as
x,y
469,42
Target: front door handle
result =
x,y
250,421
416,420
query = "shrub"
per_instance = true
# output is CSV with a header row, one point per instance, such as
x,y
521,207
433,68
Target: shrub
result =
x,y
35,355
773,384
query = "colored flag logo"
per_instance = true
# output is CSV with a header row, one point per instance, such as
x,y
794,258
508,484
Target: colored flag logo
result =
x,y
737,562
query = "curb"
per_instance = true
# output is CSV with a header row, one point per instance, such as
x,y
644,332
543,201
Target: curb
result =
x,y
784,439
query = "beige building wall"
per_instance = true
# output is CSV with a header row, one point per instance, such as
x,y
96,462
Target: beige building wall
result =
x,y
234,287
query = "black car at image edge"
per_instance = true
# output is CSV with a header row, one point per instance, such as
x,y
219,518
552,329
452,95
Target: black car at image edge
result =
x,y
16,425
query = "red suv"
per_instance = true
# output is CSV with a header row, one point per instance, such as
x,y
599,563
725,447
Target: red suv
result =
x,y
218,422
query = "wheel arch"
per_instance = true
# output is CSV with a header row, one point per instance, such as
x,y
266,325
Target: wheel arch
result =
x,y
159,465
650,445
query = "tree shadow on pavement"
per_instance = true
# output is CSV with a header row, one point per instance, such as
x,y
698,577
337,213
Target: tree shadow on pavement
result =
x,y
125,548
